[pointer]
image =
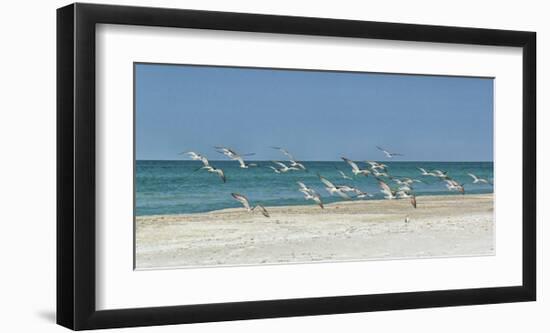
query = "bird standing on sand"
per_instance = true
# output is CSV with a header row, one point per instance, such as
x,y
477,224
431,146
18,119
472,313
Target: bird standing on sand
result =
x,y
387,153
244,201
355,169
310,194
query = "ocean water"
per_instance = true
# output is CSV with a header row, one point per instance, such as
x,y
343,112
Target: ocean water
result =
x,y
175,187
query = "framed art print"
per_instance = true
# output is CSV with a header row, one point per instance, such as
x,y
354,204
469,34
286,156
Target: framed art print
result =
x,y
221,166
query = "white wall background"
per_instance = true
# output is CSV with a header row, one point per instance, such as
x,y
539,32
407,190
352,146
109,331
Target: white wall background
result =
x,y
27,165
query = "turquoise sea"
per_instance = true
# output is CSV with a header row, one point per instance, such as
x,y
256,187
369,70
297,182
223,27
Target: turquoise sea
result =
x,y
175,187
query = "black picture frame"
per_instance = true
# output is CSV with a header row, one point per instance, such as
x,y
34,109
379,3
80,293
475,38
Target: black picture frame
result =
x,y
76,165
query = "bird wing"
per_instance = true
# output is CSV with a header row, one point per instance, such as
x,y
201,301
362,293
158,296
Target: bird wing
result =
x,y
385,187
284,151
472,175
343,195
382,149
303,186
223,150
282,165
351,163
326,182
242,199
192,154
317,199
241,161
221,174
204,160
262,209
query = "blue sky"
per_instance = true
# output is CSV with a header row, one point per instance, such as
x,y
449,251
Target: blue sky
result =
x,y
317,115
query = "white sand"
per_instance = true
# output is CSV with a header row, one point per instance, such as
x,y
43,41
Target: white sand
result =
x,y
454,225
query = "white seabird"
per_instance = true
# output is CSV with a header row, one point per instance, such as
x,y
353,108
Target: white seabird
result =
x,y
344,175
244,201
386,189
217,171
291,159
333,189
355,169
283,168
478,179
197,157
375,165
310,194
387,153
453,185
234,156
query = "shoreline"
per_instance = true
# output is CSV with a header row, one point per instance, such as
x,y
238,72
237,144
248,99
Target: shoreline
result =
x,y
419,199
440,226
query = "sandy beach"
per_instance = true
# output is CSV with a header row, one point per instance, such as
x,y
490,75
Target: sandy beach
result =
x,y
448,225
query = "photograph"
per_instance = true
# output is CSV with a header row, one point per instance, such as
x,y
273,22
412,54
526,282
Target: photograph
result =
x,y
261,166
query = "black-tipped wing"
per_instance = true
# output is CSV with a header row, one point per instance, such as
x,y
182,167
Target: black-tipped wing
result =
x,y
242,199
262,210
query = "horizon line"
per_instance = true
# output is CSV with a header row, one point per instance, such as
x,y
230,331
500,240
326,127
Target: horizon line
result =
x,y
305,161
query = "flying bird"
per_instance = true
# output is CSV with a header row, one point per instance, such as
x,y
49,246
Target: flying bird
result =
x,y
358,193
310,194
355,169
405,192
386,189
378,174
387,153
274,169
453,185
424,172
375,165
217,171
291,159
284,151
243,164
344,175
440,174
234,156
478,179
196,157
333,189
244,201
283,168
